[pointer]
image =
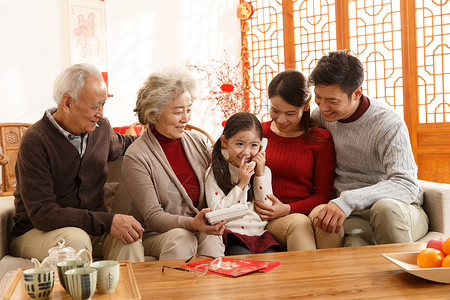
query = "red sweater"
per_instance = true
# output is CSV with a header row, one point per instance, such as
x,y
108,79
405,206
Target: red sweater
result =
x,y
180,165
302,170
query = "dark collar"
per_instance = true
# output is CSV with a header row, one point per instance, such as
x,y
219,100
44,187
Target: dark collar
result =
x,y
362,108
162,138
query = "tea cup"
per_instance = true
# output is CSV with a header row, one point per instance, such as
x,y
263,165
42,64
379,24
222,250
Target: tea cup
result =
x,y
81,282
66,265
39,282
107,276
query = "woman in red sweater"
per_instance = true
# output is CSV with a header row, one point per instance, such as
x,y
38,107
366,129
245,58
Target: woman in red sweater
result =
x,y
301,157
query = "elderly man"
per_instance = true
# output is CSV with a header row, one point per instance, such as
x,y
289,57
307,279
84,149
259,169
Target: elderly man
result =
x,y
61,170
377,197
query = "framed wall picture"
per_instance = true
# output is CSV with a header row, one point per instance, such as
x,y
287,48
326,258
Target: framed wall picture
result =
x,y
87,25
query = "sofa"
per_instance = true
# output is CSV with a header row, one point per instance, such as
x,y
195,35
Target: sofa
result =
x,y
436,205
116,199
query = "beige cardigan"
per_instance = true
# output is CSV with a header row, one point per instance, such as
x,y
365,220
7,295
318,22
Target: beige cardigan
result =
x,y
159,200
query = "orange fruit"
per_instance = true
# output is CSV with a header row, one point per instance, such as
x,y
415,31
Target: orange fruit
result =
x,y
446,262
446,247
430,258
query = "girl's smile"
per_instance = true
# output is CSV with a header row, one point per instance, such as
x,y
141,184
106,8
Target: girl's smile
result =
x,y
242,146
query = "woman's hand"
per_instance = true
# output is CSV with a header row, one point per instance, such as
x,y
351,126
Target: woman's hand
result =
x,y
260,160
245,173
199,223
277,210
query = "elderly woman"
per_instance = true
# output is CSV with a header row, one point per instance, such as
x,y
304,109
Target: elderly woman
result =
x,y
164,172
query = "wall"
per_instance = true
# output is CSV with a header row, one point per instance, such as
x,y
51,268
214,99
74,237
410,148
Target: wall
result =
x,y
142,36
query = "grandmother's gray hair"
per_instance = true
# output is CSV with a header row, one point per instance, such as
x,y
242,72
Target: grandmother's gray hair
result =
x,y
160,89
71,81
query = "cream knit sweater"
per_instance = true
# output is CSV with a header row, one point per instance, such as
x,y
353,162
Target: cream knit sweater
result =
x,y
374,159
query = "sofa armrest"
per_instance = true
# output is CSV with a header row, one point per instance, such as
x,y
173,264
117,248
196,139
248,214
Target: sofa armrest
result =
x,y
437,205
6,223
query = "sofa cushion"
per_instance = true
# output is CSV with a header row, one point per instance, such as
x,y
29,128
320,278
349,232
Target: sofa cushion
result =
x,y
6,223
110,194
122,199
9,262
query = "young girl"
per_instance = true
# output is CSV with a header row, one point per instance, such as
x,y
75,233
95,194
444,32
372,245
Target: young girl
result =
x,y
233,179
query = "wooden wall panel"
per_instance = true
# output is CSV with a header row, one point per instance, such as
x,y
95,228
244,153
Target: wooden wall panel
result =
x,y
437,166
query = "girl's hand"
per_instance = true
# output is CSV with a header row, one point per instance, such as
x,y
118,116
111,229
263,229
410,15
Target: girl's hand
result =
x,y
245,173
200,223
260,160
277,210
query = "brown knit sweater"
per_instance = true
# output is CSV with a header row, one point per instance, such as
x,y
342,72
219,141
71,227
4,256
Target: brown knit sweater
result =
x,y
56,187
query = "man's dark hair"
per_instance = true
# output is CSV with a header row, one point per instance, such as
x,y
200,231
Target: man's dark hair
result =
x,y
340,67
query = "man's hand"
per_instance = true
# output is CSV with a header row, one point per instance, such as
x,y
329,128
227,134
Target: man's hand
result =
x,y
199,223
277,210
126,229
331,217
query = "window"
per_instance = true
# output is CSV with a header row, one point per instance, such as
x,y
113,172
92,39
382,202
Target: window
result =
x,y
403,44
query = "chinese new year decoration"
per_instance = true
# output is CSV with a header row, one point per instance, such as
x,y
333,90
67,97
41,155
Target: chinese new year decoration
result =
x,y
244,12
224,84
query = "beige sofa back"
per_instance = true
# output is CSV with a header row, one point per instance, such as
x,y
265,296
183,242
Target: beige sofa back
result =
x,y
121,202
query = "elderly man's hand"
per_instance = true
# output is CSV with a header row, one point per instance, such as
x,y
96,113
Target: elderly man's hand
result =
x,y
3,159
199,223
126,229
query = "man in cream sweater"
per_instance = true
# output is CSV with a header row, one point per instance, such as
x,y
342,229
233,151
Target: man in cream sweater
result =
x,y
376,194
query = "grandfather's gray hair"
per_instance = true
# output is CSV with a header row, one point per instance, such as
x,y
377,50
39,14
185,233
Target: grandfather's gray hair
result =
x,y
71,81
160,89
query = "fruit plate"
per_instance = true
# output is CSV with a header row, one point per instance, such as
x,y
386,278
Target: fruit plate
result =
x,y
408,262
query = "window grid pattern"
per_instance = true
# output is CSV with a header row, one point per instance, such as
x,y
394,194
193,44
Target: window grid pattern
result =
x,y
314,32
266,47
433,59
375,37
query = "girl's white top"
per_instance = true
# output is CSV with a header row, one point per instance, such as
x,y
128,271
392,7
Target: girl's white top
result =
x,y
251,224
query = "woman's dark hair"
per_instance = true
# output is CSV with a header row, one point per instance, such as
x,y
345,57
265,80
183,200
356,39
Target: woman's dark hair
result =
x,y
238,122
340,67
292,86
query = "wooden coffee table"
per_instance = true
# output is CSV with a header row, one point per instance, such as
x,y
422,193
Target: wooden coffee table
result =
x,y
341,273
346,273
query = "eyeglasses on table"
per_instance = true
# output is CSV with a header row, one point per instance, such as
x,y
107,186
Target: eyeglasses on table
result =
x,y
201,269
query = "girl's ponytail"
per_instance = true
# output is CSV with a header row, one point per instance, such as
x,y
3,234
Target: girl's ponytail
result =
x,y
220,168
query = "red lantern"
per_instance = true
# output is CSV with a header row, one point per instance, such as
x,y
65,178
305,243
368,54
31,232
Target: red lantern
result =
x,y
227,87
244,11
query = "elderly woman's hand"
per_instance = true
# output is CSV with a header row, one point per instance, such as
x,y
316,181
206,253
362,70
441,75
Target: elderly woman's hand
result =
x,y
199,223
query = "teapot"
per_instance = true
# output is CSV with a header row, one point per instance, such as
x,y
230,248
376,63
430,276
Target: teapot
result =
x,y
59,253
